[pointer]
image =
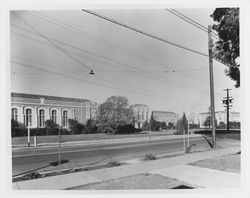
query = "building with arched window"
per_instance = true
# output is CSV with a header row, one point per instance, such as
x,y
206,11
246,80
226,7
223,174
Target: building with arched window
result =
x,y
33,110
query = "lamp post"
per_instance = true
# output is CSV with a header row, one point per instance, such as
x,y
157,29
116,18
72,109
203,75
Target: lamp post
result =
x,y
29,124
188,135
59,151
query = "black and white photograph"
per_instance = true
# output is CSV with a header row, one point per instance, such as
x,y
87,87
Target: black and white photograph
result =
x,y
125,98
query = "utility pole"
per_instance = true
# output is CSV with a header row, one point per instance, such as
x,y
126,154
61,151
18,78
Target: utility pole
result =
x,y
211,84
227,101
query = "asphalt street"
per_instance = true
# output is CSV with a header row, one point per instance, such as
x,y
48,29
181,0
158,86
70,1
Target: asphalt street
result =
x,y
32,158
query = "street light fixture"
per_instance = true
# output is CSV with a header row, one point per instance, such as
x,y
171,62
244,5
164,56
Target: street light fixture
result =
x,y
91,72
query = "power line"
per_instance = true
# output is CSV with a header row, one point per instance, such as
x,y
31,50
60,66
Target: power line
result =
x,y
127,66
91,37
56,46
198,25
87,51
191,21
53,66
152,36
107,86
144,33
183,18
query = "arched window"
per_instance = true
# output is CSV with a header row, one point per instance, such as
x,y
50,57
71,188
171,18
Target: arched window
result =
x,y
53,116
28,118
14,115
41,118
65,119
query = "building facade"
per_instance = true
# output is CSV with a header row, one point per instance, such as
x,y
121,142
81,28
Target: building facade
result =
x,y
220,116
165,116
141,114
33,110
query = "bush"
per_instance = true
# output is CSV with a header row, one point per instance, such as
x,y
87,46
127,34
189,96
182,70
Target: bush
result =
x,y
150,157
127,129
145,126
105,129
18,129
170,125
113,163
76,127
91,127
194,126
51,128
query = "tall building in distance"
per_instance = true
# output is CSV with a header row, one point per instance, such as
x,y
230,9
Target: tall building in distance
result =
x,y
220,116
165,116
33,110
141,114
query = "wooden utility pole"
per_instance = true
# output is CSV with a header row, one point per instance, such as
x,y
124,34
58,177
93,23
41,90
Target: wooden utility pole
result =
x,y
211,84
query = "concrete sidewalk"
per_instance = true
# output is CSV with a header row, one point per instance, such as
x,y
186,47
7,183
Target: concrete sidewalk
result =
x,y
175,167
104,141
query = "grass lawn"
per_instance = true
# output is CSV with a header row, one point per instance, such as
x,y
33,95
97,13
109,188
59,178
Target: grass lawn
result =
x,y
54,138
230,163
134,182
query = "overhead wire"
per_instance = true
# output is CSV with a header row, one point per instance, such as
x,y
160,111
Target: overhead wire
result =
x,y
150,35
53,66
52,43
107,86
144,33
192,22
200,26
124,64
94,38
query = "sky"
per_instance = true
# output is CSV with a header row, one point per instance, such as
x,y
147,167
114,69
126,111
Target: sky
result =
x,y
52,53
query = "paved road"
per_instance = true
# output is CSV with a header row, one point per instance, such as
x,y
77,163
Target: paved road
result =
x,y
24,160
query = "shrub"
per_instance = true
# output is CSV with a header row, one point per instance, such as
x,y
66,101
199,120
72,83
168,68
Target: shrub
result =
x,y
113,163
150,157
51,128
91,127
145,126
18,129
127,129
105,129
76,127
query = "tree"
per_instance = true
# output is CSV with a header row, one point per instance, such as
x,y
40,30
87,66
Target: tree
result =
x,y
227,49
76,127
114,112
182,124
154,124
208,122
145,126
91,126
170,125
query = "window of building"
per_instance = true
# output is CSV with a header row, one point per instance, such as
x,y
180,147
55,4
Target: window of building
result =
x,y
28,118
65,119
53,115
14,115
41,118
